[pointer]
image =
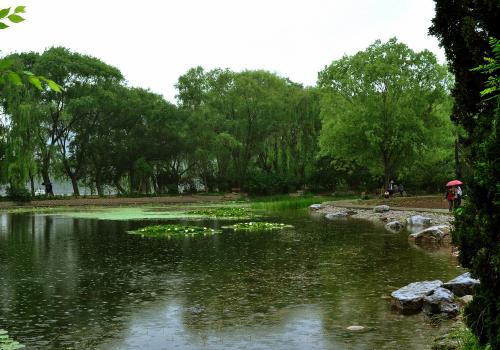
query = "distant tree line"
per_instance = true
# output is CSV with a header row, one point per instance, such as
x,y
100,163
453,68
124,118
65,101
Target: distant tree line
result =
x,y
380,114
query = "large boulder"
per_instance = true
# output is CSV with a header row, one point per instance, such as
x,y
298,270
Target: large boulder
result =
x,y
381,208
462,285
440,301
394,226
431,236
418,220
409,299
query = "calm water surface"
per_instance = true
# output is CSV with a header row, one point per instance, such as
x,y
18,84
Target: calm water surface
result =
x,y
70,283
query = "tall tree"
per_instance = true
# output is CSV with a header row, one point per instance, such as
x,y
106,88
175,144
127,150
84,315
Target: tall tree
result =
x,y
381,105
79,75
463,29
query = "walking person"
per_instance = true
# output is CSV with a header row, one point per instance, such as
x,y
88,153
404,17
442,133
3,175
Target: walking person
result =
x,y
401,189
458,197
450,197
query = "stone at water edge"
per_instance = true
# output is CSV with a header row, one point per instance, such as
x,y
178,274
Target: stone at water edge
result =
x,y
466,299
394,226
431,235
409,299
355,328
333,216
418,220
462,285
381,208
440,301
315,207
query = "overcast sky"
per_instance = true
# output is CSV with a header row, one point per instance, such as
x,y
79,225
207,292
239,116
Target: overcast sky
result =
x,y
153,42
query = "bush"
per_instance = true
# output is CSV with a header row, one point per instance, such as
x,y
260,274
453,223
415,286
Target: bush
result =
x,y
477,235
19,194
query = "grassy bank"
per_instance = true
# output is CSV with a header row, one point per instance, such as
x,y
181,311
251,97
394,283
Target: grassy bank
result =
x,y
283,202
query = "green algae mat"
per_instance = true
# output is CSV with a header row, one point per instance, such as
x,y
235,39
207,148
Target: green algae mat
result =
x,y
156,212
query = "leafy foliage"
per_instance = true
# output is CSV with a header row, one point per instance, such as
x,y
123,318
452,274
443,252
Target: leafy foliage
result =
x,y
18,194
385,108
463,28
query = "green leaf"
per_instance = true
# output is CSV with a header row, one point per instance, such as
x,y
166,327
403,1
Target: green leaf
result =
x,y
14,78
5,63
52,84
20,9
3,25
4,12
26,72
15,18
35,82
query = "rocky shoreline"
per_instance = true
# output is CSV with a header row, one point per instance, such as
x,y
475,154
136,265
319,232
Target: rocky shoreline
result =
x,y
383,216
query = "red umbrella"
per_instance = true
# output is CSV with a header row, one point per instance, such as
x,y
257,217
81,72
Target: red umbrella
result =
x,y
454,183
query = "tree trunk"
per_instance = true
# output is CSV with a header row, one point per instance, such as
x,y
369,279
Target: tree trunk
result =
x,y
74,183
458,165
46,178
32,183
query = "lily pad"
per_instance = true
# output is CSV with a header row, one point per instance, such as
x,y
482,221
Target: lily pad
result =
x,y
174,231
7,343
257,226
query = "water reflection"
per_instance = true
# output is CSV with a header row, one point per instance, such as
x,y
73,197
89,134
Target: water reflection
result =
x,y
80,283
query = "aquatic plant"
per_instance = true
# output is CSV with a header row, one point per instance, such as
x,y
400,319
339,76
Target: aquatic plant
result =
x,y
173,230
7,343
257,226
223,212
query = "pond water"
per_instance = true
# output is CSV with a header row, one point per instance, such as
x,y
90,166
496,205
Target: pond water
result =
x,y
83,283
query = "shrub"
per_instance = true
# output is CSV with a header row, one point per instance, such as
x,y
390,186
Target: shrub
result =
x,y
19,194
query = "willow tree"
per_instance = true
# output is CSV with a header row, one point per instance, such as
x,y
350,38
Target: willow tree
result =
x,y
381,106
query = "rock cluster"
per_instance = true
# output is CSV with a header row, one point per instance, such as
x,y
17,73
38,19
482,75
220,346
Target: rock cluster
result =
x,y
433,297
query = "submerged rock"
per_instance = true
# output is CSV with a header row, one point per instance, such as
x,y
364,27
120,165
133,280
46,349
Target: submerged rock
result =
x,y
462,285
381,208
355,328
440,301
418,220
409,299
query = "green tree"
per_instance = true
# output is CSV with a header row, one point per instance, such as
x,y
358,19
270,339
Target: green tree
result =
x,y
463,28
71,113
382,106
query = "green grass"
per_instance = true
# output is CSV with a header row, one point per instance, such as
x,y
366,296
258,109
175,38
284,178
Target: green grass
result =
x,y
460,338
173,231
287,202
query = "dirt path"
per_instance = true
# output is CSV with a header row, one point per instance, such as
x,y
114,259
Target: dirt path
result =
x,y
119,201
417,203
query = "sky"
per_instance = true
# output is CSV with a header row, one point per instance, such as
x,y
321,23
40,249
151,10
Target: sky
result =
x,y
153,42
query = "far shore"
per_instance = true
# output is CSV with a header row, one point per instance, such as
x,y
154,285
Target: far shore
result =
x,y
119,201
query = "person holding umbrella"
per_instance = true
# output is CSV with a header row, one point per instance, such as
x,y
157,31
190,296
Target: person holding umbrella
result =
x,y
453,194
